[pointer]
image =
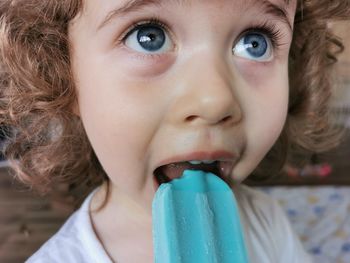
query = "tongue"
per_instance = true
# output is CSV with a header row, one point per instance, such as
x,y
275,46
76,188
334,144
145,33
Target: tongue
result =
x,y
175,170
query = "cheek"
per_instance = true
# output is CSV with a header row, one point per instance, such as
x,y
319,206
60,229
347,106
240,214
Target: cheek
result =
x,y
266,101
266,124
266,130
114,117
256,74
142,66
265,115
119,116
118,134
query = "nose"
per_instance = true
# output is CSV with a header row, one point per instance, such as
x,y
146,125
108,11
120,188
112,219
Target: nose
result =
x,y
206,93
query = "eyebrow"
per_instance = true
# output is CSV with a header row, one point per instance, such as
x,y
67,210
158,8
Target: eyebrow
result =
x,y
134,5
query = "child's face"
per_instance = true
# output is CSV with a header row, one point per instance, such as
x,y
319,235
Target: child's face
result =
x,y
212,80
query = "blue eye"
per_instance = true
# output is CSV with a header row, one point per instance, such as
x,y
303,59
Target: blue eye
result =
x,y
254,46
148,38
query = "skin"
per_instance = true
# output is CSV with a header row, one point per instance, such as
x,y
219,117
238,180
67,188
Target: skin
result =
x,y
139,109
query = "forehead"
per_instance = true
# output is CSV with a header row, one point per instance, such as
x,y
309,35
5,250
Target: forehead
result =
x,y
97,14
122,5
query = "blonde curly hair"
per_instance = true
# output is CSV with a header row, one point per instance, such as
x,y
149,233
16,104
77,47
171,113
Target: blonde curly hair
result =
x,y
47,143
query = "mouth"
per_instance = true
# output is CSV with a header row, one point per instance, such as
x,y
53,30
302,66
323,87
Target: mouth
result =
x,y
171,171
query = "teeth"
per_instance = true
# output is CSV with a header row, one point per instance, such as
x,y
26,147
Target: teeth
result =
x,y
195,162
199,162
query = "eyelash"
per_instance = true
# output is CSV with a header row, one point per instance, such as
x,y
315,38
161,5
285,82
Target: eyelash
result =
x,y
268,29
154,21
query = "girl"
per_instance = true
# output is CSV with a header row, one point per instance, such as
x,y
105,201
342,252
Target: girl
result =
x,y
119,95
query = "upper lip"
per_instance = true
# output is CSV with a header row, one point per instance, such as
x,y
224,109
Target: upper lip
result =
x,y
219,155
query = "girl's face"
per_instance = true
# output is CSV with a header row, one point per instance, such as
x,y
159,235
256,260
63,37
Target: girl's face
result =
x,y
162,82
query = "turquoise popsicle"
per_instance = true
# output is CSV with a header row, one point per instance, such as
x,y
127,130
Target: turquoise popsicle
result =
x,y
196,220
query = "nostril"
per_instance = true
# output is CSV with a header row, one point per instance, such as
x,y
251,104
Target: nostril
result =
x,y
191,118
226,119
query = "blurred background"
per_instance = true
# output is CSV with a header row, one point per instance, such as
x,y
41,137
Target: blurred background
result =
x,y
314,192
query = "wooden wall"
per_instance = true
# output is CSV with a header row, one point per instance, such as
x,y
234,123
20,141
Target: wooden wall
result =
x,y
26,220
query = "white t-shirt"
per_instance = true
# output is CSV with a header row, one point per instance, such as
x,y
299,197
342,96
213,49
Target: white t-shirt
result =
x,y
268,235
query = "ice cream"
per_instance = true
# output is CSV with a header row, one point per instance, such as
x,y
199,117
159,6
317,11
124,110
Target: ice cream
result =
x,y
196,220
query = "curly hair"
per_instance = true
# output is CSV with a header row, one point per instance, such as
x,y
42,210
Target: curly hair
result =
x,y
310,125
48,143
